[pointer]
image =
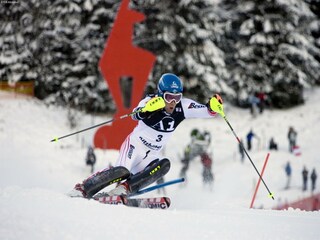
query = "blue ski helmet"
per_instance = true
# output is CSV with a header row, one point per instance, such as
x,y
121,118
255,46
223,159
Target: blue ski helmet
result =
x,y
169,83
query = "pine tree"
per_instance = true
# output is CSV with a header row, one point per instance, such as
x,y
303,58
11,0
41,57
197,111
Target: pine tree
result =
x,y
84,88
233,47
73,35
184,35
272,49
59,25
16,32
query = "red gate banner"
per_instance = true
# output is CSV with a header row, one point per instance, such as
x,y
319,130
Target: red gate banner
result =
x,y
123,61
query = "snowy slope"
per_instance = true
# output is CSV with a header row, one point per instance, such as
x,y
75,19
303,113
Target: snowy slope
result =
x,y
35,175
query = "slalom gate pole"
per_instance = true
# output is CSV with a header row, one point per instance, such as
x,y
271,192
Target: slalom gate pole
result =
x,y
100,124
259,180
161,185
245,151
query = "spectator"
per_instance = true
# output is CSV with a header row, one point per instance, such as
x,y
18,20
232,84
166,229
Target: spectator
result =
x,y
250,135
91,158
305,178
253,101
313,177
292,137
262,100
273,144
288,173
241,151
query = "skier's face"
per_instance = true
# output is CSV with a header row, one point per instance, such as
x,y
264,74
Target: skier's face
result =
x,y
171,100
170,106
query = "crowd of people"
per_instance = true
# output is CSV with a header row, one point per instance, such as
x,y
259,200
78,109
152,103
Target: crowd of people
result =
x,y
257,101
293,149
305,176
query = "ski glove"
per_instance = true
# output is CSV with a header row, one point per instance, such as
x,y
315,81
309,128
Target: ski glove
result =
x,y
216,104
154,104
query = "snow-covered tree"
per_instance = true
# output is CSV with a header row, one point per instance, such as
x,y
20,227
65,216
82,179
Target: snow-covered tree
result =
x,y
84,29
184,37
271,47
16,32
62,41
226,46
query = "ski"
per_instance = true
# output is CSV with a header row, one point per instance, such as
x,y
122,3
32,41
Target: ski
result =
x,y
153,202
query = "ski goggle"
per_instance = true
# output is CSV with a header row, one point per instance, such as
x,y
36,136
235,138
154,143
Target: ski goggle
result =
x,y
169,97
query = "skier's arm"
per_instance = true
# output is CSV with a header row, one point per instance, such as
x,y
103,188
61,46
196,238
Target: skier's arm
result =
x,y
193,109
154,104
147,106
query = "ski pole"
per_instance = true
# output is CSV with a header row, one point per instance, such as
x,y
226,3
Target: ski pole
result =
x,y
100,124
245,151
216,101
161,185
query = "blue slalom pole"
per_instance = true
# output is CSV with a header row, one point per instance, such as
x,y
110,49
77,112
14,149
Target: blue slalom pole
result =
x,y
161,185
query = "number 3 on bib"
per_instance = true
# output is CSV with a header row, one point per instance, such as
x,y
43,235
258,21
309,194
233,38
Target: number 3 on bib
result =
x,y
159,138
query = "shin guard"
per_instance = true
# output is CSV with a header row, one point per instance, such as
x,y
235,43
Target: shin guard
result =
x,y
149,175
104,178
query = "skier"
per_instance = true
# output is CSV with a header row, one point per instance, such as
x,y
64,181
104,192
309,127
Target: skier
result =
x,y
199,145
140,163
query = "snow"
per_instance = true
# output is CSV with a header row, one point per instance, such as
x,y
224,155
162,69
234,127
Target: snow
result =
x,y
35,176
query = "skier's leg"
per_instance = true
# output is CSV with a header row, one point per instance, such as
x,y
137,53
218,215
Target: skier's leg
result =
x,y
154,171
100,180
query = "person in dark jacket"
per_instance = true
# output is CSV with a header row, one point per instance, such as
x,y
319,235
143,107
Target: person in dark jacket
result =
x,y
273,144
91,158
305,173
262,100
288,173
292,137
250,136
241,150
313,177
